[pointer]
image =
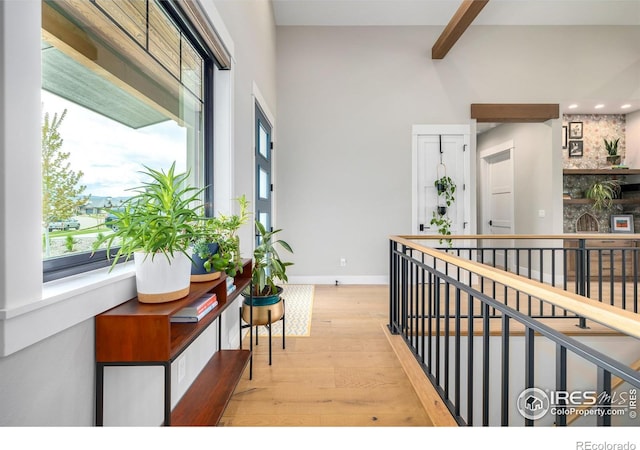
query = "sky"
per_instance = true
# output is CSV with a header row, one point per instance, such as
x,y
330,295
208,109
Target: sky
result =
x,y
111,154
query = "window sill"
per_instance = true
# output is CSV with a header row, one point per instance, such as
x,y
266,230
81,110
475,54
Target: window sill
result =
x,y
65,303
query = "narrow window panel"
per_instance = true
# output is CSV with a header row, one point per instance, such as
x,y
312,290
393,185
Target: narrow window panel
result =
x,y
264,184
263,145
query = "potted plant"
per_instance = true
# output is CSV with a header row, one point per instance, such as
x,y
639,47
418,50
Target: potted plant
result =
x,y
602,193
612,151
446,189
155,226
268,268
216,248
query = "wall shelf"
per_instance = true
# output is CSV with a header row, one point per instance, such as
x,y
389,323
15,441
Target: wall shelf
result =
x,y
601,171
135,333
587,201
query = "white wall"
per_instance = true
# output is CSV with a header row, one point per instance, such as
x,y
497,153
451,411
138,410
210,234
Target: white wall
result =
x,y
348,96
251,23
633,139
536,158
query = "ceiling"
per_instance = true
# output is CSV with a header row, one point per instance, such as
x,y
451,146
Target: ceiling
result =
x,y
439,12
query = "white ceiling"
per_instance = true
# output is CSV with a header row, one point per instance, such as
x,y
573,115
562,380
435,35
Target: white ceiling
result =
x,y
439,12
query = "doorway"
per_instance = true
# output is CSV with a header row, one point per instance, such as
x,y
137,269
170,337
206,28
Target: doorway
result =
x,y
441,150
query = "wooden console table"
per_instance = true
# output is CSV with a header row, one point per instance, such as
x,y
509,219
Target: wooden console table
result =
x,y
139,334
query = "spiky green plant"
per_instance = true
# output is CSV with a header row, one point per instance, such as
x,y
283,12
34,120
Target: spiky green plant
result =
x,y
159,219
602,193
612,146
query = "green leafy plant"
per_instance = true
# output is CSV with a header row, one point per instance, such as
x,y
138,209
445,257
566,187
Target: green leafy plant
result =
x,y
268,267
222,230
158,219
446,188
443,222
612,146
602,193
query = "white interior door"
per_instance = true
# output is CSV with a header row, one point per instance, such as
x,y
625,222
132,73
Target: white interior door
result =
x,y
497,196
439,155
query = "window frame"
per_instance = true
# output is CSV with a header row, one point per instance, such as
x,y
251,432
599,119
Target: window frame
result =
x,y
65,266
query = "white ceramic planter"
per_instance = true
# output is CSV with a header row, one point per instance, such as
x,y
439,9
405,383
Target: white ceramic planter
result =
x,y
159,280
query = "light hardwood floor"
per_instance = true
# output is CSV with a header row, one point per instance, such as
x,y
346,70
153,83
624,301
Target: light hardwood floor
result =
x,y
345,374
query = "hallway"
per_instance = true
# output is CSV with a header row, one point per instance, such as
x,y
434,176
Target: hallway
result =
x,y
344,374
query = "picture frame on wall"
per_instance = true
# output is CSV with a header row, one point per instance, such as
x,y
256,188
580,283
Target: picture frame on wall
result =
x,y
564,137
575,149
622,223
575,130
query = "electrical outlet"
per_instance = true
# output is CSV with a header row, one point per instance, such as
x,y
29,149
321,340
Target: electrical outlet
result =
x,y
182,368
343,262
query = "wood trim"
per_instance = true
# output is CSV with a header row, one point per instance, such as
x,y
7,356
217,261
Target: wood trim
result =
x,y
600,171
514,112
617,319
434,407
200,21
561,237
460,21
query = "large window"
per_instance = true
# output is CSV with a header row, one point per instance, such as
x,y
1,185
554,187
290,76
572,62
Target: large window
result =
x,y
124,84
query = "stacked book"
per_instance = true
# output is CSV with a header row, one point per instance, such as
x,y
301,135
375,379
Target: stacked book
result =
x,y
197,310
230,286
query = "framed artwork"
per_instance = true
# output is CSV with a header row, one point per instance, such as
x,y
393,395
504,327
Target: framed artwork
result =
x,y
575,130
622,223
564,137
575,149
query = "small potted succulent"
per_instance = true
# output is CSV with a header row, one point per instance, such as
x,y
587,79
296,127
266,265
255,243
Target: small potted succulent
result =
x,y
612,151
216,247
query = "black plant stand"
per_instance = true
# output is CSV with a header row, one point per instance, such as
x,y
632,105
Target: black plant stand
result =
x,y
268,326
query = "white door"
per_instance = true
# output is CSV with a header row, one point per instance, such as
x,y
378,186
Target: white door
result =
x,y
497,197
437,156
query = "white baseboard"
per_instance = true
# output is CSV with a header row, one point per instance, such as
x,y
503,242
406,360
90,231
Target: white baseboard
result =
x,y
331,279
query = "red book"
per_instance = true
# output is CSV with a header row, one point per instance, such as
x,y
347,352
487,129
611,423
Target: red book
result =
x,y
198,306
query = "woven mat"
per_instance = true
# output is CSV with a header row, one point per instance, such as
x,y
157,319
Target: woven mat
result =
x,y
298,307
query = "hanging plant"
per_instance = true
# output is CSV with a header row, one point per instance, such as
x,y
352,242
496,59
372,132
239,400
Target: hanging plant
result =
x,y
443,222
446,189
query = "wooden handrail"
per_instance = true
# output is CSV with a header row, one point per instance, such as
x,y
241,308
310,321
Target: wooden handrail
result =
x,y
610,316
567,236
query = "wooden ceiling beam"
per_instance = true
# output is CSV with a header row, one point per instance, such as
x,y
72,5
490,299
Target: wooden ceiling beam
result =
x,y
514,112
460,21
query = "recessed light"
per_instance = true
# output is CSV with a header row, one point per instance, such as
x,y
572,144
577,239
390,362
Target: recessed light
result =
x,y
599,106
625,106
574,106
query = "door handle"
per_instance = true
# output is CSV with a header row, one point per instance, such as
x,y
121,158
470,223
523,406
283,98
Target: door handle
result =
x,y
491,223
